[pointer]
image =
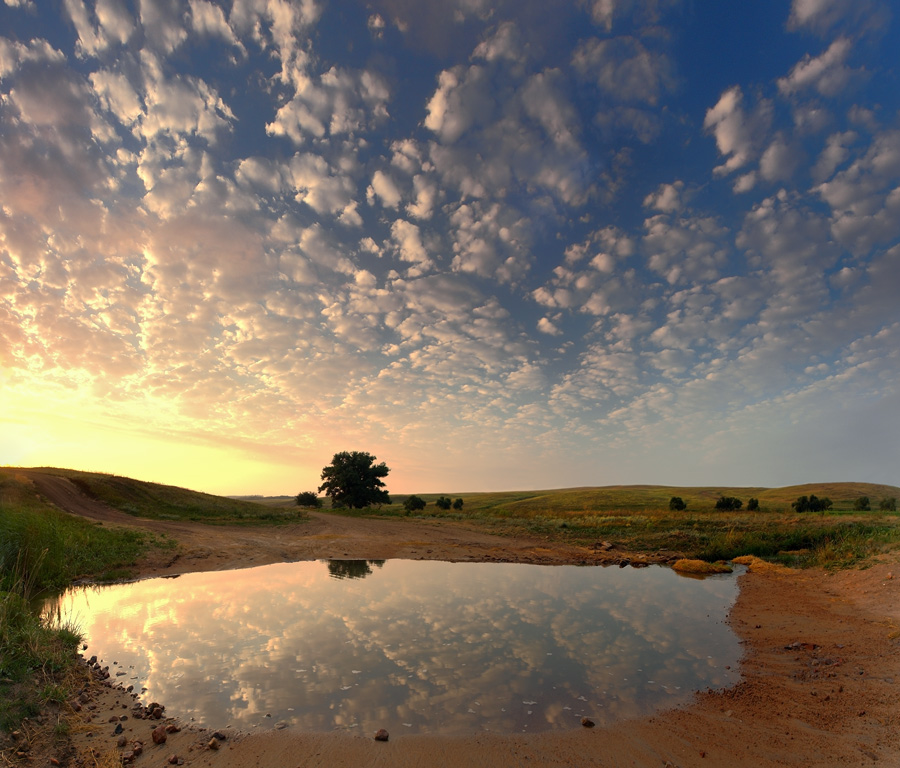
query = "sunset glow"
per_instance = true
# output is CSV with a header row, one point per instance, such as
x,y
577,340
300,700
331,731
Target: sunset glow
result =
x,y
496,244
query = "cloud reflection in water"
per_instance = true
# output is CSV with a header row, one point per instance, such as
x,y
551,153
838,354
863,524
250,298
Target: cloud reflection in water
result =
x,y
414,646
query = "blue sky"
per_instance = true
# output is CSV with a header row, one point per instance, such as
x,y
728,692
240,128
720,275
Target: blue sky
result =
x,y
498,245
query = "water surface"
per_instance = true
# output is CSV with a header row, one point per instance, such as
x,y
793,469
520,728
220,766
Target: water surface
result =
x,y
413,646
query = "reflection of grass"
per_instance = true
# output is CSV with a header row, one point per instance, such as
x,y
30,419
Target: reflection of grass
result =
x,y
168,502
638,518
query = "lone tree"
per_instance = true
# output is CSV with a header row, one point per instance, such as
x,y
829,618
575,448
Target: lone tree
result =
x,y
676,504
753,505
308,499
353,479
458,504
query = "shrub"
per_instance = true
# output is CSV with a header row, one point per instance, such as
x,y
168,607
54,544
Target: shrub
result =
x,y
414,503
728,504
458,504
888,505
443,502
753,505
862,504
811,504
308,499
676,504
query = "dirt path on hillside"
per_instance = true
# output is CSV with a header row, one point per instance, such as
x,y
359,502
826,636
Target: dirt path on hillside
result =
x,y
819,685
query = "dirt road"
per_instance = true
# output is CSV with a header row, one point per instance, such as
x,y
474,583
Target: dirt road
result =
x,y
819,685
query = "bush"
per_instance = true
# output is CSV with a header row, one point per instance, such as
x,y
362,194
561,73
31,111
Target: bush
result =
x,y
443,502
728,504
676,504
308,499
753,505
888,505
414,504
458,504
811,504
862,504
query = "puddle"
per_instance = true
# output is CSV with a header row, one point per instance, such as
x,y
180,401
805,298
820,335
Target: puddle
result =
x,y
413,646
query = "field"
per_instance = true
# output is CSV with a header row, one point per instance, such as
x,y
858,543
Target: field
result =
x,y
637,518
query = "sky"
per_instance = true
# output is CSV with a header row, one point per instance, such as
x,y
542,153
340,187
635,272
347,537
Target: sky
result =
x,y
499,245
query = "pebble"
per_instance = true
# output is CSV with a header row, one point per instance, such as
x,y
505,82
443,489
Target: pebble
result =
x,y
381,735
587,722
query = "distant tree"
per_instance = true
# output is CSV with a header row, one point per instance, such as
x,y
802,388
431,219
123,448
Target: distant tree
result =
x,y
676,504
414,503
442,502
811,504
888,505
862,504
728,503
458,504
752,505
308,499
353,479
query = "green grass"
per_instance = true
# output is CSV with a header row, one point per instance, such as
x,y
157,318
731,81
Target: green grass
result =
x,y
168,502
637,518
42,550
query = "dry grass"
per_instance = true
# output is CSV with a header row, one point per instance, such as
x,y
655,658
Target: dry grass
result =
x,y
700,567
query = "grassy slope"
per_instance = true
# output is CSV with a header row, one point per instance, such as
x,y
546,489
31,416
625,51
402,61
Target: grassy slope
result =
x,y
169,502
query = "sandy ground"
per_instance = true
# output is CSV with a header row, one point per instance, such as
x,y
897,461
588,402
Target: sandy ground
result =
x,y
820,673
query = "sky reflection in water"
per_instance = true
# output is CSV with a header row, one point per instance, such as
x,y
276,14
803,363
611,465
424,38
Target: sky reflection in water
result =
x,y
413,646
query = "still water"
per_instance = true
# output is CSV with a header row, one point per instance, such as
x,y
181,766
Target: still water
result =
x,y
413,646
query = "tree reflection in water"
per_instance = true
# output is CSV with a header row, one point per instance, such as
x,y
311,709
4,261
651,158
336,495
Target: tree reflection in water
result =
x,y
352,569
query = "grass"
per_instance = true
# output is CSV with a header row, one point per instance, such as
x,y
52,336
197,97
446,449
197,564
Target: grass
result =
x,y
43,550
637,518
168,502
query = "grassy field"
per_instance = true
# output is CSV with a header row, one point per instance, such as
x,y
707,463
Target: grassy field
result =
x,y
638,518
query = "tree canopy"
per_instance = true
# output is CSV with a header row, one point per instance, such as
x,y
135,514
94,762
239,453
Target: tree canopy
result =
x,y
353,479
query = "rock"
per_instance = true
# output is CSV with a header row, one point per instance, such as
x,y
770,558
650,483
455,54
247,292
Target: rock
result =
x,y
280,725
122,741
213,743
127,757
118,729
587,722
220,736
173,759
172,728
138,748
157,713
159,734
382,735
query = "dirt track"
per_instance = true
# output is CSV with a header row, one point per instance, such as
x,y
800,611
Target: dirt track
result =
x,y
820,672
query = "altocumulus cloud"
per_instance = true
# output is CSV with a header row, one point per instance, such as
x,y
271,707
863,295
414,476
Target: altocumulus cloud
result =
x,y
494,245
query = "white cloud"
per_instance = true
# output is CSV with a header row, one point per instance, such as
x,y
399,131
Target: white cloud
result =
x,y
623,68
209,19
780,160
667,198
385,189
319,186
463,97
827,74
738,134
114,24
408,239
341,102
822,15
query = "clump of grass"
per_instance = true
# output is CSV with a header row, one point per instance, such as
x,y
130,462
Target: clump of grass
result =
x,y
700,567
